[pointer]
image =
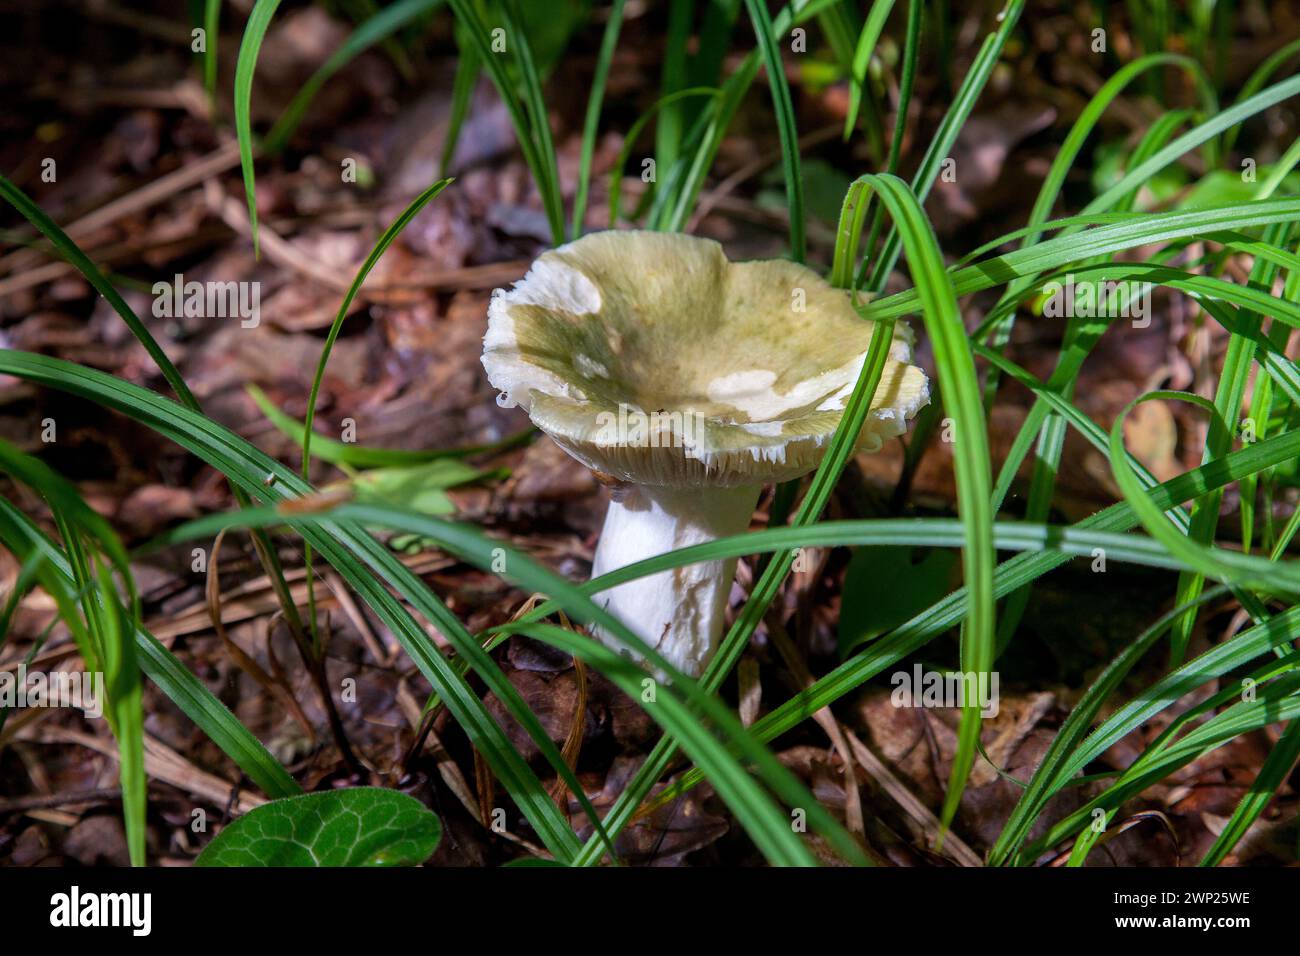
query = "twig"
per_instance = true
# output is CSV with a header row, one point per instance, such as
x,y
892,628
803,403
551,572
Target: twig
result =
x,y
215,163
45,801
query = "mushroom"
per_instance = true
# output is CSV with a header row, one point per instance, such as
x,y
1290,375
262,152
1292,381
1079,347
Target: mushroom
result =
x,y
685,381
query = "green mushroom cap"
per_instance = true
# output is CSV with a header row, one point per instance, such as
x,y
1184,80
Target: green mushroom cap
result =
x,y
652,358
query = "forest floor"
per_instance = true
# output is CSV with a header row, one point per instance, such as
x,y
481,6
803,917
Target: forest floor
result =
x,y
150,186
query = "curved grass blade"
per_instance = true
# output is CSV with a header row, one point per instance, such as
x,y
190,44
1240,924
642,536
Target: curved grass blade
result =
x,y
105,642
1082,336
591,124
944,324
629,143
379,248
1205,132
1009,575
958,383
531,126
249,47
385,240
944,138
364,456
1256,80
64,499
1067,540
1075,728
1053,254
367,567
376,251
1277,767
266,554
70,251
1277,701
1145,169
467,542
784,108
866,45
1065,158
1229,566
468,69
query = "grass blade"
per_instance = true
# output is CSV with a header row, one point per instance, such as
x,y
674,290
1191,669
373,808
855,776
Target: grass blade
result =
x,y
376,251
471,545
1055,253
364,456
249,47
468,69
591,124
911,636
1277,767
366,566
943,140
70,251
1076,725
26,541
105,642
534,142
866,46
629,143
672,79
784,107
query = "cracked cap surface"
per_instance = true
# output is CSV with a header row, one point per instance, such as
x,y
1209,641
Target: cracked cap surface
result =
x,y
650,357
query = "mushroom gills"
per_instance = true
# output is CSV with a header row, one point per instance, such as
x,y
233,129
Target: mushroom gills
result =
x,y
678,612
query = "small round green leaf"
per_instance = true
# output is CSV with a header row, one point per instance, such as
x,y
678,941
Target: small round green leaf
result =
x,y
363,826
886,586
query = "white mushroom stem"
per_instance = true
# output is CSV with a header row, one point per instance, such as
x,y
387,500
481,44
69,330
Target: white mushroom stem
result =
x,y
677,612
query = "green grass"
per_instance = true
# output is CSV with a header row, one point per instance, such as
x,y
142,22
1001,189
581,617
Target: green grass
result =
x,y
1170,525
523,99
101,619
251,45
26,541
783,106
865,46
